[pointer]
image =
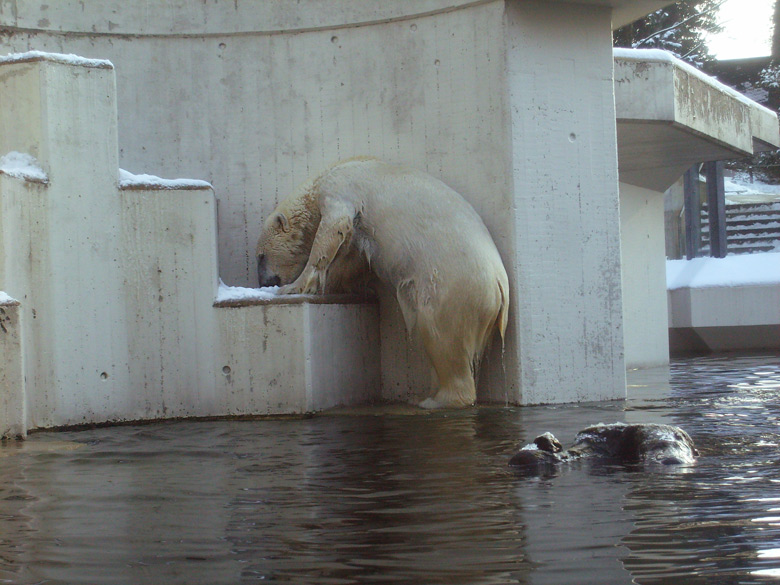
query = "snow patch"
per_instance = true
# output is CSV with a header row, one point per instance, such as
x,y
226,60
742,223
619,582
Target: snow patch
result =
x,y
5,299
758,269
240,293
740,189
68,59
22,166
130,181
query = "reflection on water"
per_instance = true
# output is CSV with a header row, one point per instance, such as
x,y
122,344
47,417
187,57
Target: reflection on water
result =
x,y
407,499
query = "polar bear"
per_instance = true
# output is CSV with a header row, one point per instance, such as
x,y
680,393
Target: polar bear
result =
x,y
417,236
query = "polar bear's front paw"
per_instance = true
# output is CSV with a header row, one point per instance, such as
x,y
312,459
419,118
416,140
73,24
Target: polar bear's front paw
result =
x,y
289,289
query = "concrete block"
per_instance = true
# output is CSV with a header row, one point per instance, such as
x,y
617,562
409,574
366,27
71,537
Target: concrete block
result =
x,y
725,318
12,387
67,274
295,357
170,278
342,354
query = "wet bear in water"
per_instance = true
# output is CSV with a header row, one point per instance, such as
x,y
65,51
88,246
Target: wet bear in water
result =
x,y
624,443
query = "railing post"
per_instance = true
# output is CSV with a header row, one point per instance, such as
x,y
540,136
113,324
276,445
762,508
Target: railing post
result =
x,y
716,208
692,212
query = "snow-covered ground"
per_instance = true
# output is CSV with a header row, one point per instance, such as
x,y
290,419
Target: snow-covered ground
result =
x,y
738,270
740,189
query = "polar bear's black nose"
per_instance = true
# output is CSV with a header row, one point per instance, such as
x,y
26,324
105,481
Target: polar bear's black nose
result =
x,y
264,276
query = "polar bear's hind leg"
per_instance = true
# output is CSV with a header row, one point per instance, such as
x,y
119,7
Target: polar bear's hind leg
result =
x,y
454,371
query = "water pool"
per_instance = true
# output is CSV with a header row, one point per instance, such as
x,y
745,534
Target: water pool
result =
x,y
361,498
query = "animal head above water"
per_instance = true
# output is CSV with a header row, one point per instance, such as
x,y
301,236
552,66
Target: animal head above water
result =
x,y
630,444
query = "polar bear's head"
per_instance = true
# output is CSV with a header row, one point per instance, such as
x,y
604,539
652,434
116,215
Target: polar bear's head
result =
x,y
285,242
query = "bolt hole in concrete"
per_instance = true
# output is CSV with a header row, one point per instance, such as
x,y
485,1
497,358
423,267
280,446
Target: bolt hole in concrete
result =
x,y
104,375
226,370
407,499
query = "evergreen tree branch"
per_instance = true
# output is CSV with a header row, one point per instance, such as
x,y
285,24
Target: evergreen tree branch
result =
x,y
677,25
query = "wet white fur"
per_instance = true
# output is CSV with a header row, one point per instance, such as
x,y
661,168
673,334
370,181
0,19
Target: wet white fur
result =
x,y
425,241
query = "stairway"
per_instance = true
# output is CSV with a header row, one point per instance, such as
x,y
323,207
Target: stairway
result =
x,y
750,228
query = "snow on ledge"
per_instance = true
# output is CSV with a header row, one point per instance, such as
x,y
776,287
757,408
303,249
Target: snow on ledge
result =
x,y
150,182
5,299
67,59
661,56
22,166
759,269
238,296
227,293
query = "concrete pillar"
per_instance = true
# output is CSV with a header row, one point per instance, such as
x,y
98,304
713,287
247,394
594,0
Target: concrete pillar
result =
x,y
644,277
567,292
692,212
716,208
62,252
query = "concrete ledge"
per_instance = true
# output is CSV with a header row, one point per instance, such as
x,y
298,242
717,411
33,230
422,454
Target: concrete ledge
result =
x,y
299,299
670,116
118,19
741,313
725,306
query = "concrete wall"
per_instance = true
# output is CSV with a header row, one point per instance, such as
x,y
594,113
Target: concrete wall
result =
x,y
256,98
644,276
117,285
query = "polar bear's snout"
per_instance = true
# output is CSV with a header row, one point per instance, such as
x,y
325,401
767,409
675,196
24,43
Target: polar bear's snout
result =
x,y
266,277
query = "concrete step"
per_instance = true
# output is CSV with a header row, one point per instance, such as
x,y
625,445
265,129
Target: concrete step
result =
x,y
766,231
750,228
743,248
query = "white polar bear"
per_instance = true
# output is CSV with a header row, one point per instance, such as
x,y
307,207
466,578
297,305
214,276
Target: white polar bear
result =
x,y
417,236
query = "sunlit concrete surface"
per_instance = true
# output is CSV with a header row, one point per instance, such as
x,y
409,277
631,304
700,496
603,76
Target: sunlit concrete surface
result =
x,y
669,116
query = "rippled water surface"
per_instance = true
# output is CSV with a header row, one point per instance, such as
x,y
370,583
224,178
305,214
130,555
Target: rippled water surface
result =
x,y
407,499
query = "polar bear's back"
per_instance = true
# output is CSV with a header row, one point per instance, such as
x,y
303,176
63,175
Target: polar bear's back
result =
x,y
425,240
410,222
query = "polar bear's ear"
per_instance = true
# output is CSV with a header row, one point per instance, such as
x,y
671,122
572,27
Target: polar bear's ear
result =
x,y
281,219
